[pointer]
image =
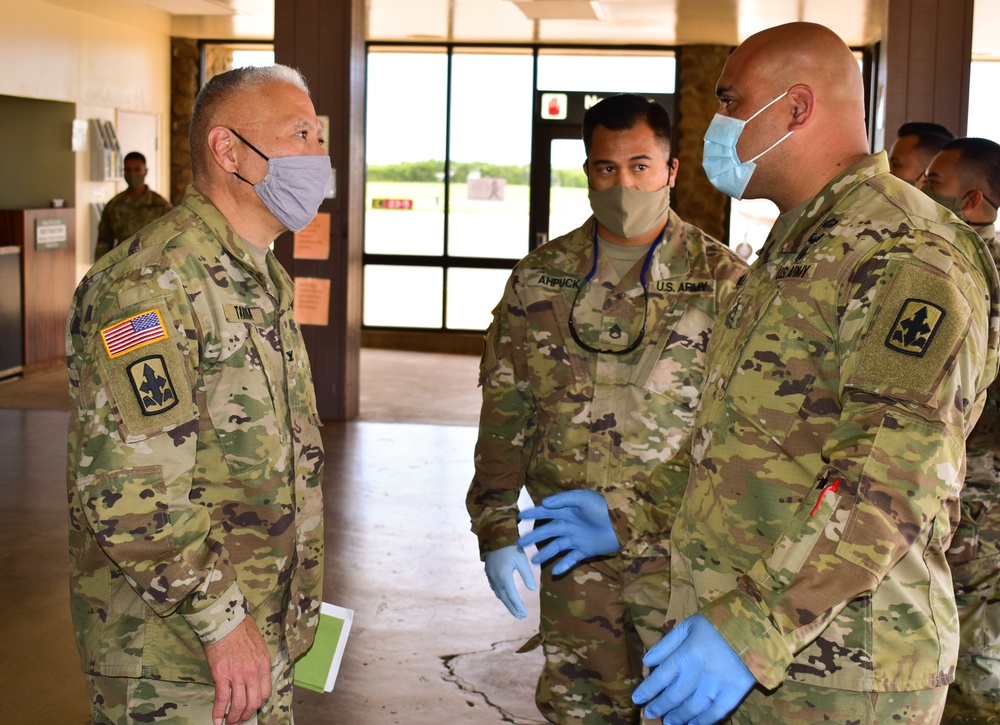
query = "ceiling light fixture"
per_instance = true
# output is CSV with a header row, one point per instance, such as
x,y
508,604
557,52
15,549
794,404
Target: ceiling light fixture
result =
x,y
560,9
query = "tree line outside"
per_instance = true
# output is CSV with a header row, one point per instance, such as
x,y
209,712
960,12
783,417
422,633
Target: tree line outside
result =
x,y
433,171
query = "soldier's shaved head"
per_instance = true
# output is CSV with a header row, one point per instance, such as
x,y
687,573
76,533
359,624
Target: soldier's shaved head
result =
x,y
808,53
824,108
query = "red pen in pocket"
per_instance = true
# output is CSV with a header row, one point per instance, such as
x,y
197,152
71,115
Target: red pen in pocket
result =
x,y
832,487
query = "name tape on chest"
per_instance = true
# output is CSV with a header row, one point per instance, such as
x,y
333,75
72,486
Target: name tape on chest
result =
x,y
794,271
666,285
135,332
547,280
660,285
244,313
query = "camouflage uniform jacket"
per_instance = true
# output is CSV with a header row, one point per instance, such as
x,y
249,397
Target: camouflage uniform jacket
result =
x,y
195,460
556,417
124,215
983,445
975,549
828,453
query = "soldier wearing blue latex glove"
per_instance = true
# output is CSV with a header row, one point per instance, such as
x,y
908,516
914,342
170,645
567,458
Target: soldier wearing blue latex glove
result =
x,y
580,525
591,372
698,678
500,567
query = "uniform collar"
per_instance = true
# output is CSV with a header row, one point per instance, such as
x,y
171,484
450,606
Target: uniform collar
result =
x,y
815,212
669,260
233,243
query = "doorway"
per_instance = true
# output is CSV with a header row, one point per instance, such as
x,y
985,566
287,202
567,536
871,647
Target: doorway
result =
x,y
141,132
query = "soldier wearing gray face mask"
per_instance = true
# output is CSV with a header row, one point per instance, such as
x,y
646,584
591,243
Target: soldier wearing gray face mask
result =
x,y
195,460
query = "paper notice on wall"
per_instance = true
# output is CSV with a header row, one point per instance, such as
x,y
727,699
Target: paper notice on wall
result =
x,y
312,301
313,242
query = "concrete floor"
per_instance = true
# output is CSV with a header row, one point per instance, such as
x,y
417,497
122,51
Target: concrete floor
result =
x,y
430,644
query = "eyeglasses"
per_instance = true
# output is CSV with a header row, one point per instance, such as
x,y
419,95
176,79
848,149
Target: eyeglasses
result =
x,y
645,303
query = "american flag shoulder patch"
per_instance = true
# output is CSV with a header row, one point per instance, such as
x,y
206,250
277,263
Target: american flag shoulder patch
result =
x,y
133,333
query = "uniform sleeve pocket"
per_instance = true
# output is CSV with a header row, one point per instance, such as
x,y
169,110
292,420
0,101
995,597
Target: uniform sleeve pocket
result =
x,y
241,405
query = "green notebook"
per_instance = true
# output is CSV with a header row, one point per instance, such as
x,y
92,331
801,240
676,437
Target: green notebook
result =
x,y
317,669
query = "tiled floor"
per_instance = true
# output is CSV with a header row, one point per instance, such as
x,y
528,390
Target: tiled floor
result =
x,y
430,643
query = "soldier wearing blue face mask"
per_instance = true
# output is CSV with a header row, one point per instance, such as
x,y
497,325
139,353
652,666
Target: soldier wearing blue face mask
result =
x,y
809,581
720,160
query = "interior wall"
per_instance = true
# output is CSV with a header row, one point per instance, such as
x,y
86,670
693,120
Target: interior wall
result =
x,y
39,163
113,55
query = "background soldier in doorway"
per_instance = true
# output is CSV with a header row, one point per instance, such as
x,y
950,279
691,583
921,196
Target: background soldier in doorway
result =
x,y
131,210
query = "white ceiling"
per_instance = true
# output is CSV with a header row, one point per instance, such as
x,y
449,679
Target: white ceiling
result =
x,y
602,22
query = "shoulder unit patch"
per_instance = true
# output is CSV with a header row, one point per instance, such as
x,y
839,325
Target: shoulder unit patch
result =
x,y
914,328
152,385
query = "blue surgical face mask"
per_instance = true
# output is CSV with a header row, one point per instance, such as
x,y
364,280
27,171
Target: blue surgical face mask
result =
x,y
725,170
294,187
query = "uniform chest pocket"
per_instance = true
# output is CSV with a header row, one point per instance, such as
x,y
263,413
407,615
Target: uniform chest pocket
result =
x,y
238,388
780,354
674,368
555,362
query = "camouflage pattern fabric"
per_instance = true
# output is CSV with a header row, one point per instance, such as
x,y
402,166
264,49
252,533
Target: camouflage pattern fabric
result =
x,y
195,460
796,703
125,215
828,453
974,556
556,417
126,700
592,615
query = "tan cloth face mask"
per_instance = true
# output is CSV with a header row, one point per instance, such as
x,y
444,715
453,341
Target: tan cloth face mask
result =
x,y
629,213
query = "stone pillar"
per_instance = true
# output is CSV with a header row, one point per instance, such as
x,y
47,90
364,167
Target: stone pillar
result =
x,y
184,70
694,197
325,41
924,66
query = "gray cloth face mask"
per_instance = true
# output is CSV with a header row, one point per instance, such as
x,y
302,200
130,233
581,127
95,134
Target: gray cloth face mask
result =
x,y
294,187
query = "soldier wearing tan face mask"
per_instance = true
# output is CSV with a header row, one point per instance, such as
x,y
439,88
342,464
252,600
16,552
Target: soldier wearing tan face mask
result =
x,y
591,374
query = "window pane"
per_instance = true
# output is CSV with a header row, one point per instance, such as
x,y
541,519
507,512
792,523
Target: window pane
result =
x,y
749,222
490,155
984,108
245,58
397,296
625,73
404,193
569,205
472,295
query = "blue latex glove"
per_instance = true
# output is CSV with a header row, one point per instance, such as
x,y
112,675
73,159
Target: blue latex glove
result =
x,y
500,566
698,678
580,526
